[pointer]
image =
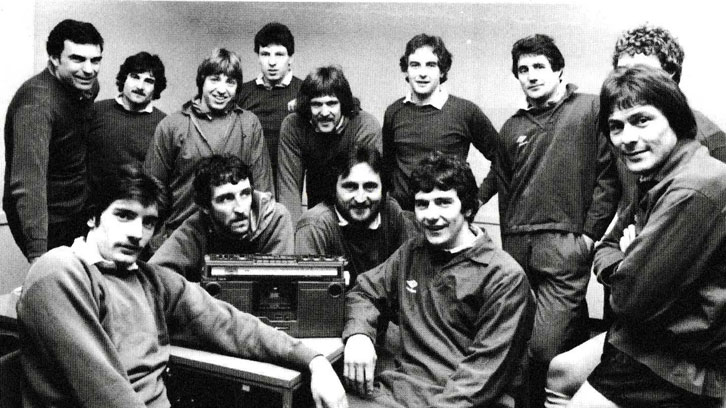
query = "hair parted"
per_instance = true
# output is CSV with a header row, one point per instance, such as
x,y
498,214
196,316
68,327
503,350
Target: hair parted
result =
x,y
324,81
128,182
217,170
641,85
438,47
537,44
446,172
275,33
341,164
221,61
78,32
649,40
140,63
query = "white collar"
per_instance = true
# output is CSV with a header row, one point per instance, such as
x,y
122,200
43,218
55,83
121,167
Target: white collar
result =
x,y
120,100
437,100
260,81
477,234
89,254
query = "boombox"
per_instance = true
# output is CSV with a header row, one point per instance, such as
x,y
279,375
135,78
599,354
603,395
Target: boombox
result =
x,y
303,296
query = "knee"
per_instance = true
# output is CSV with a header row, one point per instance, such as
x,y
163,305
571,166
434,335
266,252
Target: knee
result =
x,y
562,374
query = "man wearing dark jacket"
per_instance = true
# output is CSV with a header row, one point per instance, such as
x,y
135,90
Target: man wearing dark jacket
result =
x,y
665,258
232,218
464,308
558,191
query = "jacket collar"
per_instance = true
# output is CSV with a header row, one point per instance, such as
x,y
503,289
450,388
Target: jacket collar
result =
x,y
480,252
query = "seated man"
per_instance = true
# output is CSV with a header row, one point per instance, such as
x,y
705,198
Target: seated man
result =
x,y
210,123
327,120
658,48
95,323
666,344
464,308
232,217
358,220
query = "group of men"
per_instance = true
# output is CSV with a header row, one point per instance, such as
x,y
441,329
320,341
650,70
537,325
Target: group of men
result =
x,y
476,325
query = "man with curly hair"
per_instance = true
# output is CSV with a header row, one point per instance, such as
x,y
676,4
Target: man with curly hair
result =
x,y
658,48
124,126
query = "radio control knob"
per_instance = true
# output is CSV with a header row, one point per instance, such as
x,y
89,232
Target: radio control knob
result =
x,y
213,288
335,290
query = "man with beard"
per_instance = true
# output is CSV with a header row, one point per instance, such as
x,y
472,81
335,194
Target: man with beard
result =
x,y
124,126
358,220
96,324
232,217
211,123
327,121
464,307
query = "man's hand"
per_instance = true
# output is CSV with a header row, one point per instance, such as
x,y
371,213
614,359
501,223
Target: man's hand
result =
x,y
627,238
325,386
291,105
360,363
589,242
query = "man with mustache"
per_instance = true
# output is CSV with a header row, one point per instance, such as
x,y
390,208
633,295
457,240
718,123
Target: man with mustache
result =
x,y
428,118
96,323
327,121
232,217
124,126
463,306
211,123
358,219
558,191
46,128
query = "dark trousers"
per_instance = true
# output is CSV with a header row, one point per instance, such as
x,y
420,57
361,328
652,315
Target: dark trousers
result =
x,y
558,267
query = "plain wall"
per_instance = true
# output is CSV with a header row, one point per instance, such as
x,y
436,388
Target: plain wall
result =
x,y
366,39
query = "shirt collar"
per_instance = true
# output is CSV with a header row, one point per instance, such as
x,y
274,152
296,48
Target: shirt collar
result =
x,y
260,81
201,110
437,100
477,234
81,95
559,94
120,100
373,225
90,255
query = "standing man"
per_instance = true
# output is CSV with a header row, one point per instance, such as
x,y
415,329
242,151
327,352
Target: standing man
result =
x,y
428,118
232,218
358,219
45,142
211,123
666,344
124,126
558,191
271,96
327,121
96,324
464,308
